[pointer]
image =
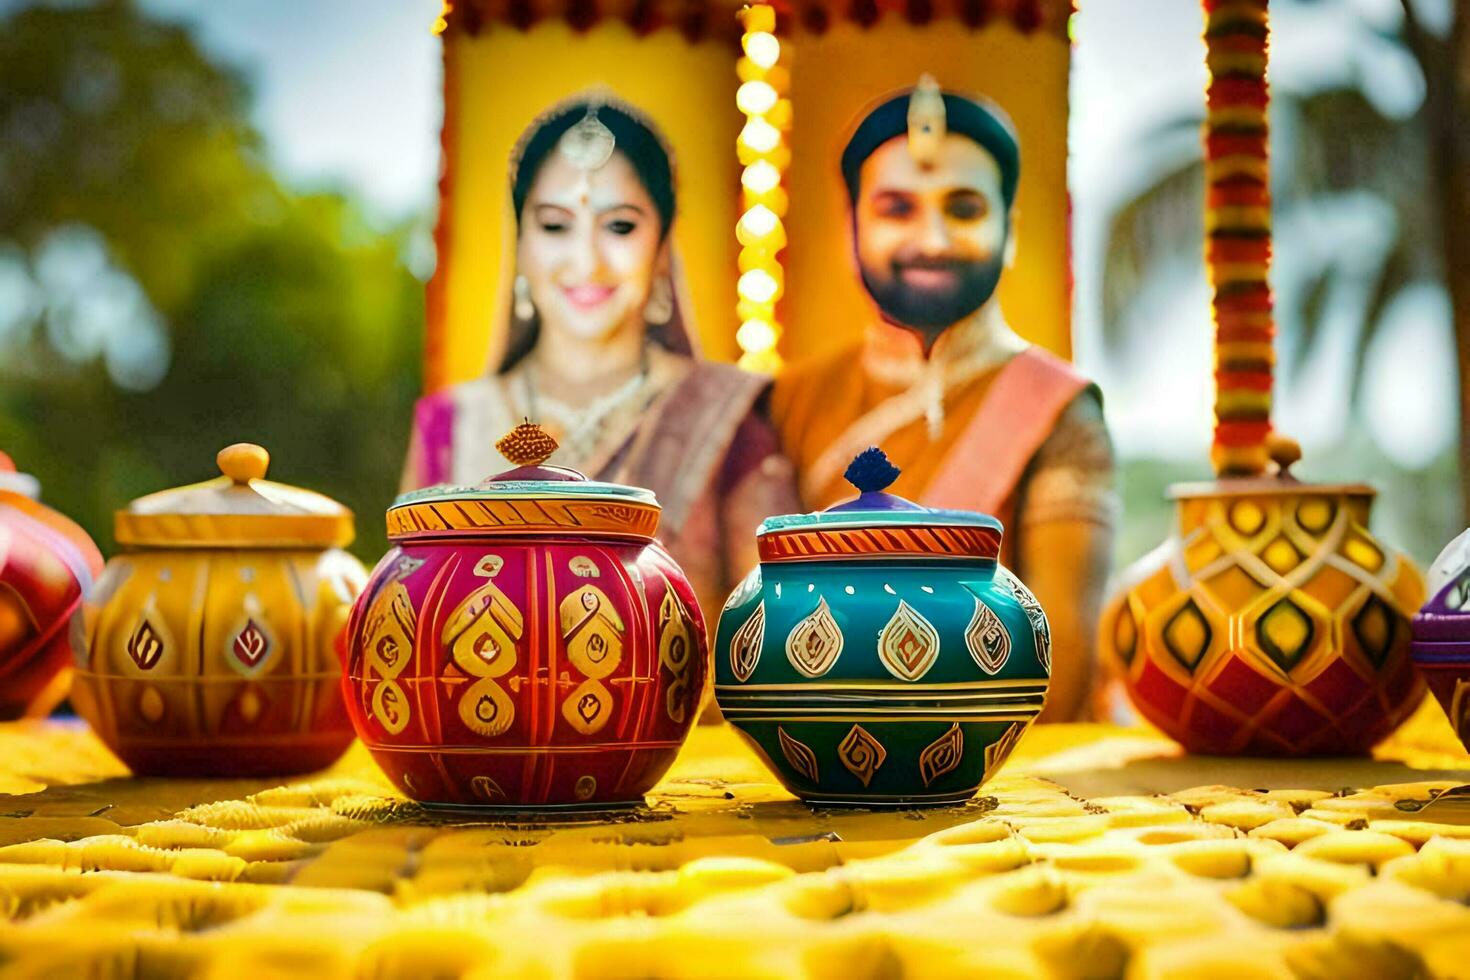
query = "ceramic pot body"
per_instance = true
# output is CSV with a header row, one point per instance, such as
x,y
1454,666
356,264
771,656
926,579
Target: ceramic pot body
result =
x,y
1441,647
47,563
208,647
218,662
1274,624
526,672
880,655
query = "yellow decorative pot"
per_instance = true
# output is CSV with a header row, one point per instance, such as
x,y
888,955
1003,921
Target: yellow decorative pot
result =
x,y
1272,624
207,647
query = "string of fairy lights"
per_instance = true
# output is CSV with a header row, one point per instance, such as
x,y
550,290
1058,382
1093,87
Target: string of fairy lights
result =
x,y
764,156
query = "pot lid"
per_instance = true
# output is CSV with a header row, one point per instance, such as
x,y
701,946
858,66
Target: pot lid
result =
x,y
1285,453
19,483
239,509
875,524
528,498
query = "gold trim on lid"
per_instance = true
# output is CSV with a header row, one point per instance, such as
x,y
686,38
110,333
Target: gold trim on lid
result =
x,y
530,513
238,509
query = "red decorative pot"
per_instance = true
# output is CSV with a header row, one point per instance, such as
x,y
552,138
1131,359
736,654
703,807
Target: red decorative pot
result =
x,y
47,563
525,643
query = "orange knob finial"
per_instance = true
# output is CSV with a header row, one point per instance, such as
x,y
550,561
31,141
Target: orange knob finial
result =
x,y
243,462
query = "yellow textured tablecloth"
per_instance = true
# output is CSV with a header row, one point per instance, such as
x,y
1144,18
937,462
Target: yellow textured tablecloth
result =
x,y
1097,852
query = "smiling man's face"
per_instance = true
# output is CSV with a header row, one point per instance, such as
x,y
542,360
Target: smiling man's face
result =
x,y
930,239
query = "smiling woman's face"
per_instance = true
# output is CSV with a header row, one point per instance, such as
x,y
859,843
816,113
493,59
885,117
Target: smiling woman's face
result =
x,y
590,249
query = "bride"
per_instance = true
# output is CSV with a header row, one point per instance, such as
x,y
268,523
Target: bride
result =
x,y
599,352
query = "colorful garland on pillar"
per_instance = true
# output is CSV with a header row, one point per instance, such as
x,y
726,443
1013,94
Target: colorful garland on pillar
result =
x,y
1238,232
764,155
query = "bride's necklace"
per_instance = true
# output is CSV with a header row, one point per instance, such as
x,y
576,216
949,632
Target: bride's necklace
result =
x,y
581,427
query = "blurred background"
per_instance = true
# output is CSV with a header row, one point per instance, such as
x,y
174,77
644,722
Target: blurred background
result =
x,y
215,226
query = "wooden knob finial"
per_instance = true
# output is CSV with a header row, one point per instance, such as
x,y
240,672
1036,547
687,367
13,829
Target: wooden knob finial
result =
x,y
1284,451
243,462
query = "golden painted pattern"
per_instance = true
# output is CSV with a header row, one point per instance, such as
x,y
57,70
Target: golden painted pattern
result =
x,y
482,634
588,707
593,632
815,643
958,542
799,755
251,641
390,706
908,644
997,751
1040,628
861,754
487,789
987,639
676,648
943,755
516,516
747,589
146,645
150,704
486,708
745,645
390,629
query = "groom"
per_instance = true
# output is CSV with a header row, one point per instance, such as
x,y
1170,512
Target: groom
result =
x,y
977,418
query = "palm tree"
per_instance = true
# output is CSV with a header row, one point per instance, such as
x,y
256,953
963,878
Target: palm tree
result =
x,y
1445,61
1337,147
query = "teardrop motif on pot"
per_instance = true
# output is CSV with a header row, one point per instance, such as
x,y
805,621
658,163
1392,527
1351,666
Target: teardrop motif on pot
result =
x,y
815,643
987,639
745,646
909,644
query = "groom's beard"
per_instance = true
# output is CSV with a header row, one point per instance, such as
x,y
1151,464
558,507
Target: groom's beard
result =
x,y
956,287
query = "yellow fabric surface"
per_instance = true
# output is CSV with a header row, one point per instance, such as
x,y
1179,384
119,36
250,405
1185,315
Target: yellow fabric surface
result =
x,y
1097,852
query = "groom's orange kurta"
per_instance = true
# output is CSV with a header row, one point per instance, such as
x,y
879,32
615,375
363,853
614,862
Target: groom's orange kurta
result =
x,y
1037,420
1021,437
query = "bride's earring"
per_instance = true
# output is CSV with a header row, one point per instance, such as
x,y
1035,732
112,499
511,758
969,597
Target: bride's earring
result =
x,y
525,310
659,309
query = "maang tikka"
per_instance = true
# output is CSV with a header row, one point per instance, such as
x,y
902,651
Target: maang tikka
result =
x,y
928,121
588,145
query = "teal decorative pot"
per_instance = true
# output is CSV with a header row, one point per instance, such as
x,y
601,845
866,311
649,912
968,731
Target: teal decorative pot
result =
x,y
880,655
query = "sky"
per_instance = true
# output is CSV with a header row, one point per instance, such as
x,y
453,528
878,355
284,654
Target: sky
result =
x,y
346,91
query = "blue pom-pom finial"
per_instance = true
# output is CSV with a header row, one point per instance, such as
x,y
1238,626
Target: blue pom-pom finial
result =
x,y
870,471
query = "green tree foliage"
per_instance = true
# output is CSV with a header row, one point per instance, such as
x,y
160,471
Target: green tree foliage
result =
x,y
288,319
